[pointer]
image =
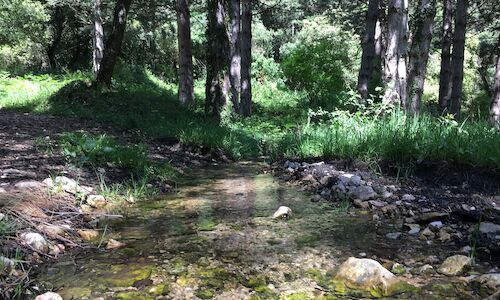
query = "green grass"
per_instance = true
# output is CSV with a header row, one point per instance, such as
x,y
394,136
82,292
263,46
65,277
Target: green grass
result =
x,y
282,124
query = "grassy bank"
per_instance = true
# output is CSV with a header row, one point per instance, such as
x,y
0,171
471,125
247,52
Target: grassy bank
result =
x,y
282,125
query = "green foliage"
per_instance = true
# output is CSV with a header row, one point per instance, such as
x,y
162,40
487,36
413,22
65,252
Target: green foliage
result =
x,y
101,150
322,62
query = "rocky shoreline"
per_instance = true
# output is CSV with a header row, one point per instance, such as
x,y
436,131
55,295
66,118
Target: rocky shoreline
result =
x,y
461,221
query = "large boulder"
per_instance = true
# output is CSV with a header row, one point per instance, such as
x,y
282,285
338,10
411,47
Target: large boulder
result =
x,y
366,274
35,241
455,265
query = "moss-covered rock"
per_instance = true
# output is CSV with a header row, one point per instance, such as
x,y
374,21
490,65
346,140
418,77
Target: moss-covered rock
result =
x,y
124,275
133,296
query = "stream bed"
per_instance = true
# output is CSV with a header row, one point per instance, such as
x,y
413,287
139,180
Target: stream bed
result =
x,y
216,239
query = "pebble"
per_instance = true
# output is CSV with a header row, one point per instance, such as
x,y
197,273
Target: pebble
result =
x,y
435,226
393,235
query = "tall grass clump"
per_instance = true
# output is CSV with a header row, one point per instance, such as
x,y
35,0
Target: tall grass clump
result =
x,y
400,140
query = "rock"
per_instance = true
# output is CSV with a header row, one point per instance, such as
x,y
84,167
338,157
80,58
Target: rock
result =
x,y
387,195
339,187
423,270
455,265
465,250
114,244
398,269
408,197
88,234
86,209
55,250
363,193
431,216
69,185
49,296
367,274
97,201
35,241
427,234
51,230
413,229
393,235
489,283
283,212
6,263
377,203
328,181
488,228
2,216
356,180
435,226
361,204
444,236
309,178
28,185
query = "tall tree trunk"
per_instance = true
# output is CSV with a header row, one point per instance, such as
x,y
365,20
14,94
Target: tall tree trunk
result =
x,y
246,59
396,54
186,88
419,53
368,45
59,19
446,42
495,99
97,38
457,58
235,65
113,44
217,58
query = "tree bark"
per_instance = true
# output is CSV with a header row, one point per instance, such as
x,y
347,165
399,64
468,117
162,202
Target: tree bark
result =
x,y
246,59
235,65
217,58
446,42
495,99
419,53
59,19
113,44
186,87
457,58
97,39
368,45
396,54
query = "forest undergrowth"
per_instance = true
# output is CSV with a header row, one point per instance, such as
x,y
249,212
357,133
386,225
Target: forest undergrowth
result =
x,y
284,124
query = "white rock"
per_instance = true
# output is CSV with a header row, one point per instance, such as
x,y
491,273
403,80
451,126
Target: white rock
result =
x,y
408,197
49,296
435,226
70,186
366,274
35,241
488,227
283,212
455,265
2,216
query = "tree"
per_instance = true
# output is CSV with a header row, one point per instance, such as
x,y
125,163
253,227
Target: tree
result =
x,y
235,55
113,44
58,20
446,42
246,59
368,45
396,53
419,53
186,89
495,99
217,58
457,58
97,38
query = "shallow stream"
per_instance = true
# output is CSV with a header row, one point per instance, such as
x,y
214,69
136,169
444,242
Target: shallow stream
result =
x,y
216,239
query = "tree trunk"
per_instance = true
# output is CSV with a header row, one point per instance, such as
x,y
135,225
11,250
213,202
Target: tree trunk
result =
x,y
246,59
235,65
419,53
113,44
59,20
97,39
495,100
396,54
186,88
217,58
368,45
457,58
446,42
